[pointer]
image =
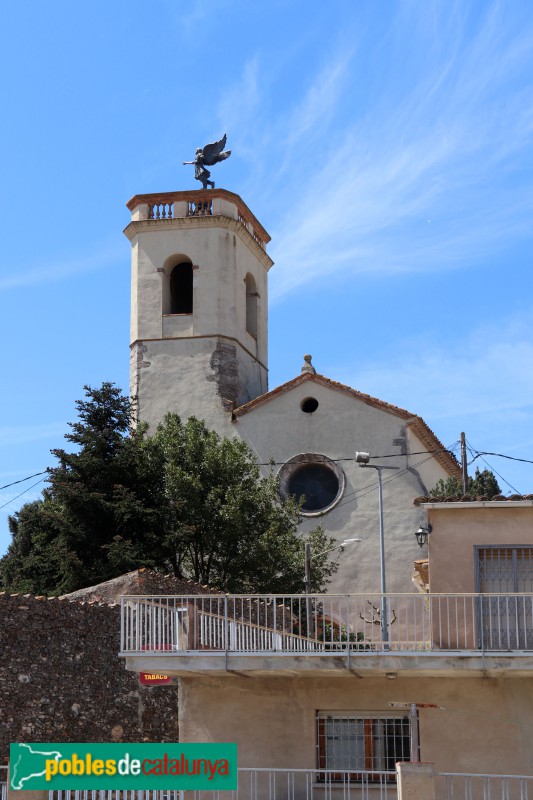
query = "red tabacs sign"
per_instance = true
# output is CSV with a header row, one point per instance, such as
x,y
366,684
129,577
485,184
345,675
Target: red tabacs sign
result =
x,y
155,679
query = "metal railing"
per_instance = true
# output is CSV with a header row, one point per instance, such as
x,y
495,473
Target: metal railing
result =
x,y
301,784
328,624
115,794
460,786
3,783
269,784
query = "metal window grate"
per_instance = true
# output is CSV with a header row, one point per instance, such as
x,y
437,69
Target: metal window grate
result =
x,y
506,623
362,742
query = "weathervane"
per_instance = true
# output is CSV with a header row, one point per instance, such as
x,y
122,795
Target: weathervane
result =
x,y
207,156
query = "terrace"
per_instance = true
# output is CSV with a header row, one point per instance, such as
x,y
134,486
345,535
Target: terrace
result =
x,y
436,634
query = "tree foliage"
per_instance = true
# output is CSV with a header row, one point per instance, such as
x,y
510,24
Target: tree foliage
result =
x,y
98,495
482,484
183,499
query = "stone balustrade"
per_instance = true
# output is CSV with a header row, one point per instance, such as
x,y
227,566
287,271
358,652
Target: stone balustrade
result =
x,y
197,203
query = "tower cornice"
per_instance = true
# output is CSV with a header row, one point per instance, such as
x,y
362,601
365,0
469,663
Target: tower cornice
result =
x,y
199,208
219,221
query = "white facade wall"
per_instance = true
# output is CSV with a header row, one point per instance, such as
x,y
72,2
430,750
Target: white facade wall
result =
x,y
341,425
206,363
231,364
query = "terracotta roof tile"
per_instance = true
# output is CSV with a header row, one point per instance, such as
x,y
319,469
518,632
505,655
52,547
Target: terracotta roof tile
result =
x,y
138,582
498,498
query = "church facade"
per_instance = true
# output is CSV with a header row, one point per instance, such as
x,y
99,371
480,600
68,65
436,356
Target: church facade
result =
x,y
415,692
199,327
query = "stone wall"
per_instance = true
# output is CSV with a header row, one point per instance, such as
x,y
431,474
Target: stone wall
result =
x,y
61,679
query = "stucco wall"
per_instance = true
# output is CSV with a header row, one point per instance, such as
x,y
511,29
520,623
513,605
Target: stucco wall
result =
x,y
192,365
193,377
483,725
164,377
457,530
61,679
340,426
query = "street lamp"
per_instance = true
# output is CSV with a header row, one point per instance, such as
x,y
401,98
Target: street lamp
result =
x,y
308,609
362,459
308,587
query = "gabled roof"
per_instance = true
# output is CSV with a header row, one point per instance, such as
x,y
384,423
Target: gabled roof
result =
x,y
412,421
139,582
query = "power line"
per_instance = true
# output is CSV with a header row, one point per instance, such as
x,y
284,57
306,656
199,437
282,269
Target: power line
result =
x,y
352,458
472,451
371,487
500,455
24,492
22,480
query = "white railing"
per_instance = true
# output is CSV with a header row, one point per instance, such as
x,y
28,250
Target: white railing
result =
x,y
114,794
3,783
301,784
458,786
328,624
270,784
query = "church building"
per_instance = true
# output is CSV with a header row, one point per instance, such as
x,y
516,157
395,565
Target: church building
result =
x,y
199,347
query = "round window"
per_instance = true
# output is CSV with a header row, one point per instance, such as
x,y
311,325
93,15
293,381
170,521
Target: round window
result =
x,y
309,405
315,480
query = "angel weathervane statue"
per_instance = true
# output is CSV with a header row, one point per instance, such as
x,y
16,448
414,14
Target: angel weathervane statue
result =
x,y
208,155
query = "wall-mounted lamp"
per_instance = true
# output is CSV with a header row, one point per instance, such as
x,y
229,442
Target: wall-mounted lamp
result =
x,y
422,534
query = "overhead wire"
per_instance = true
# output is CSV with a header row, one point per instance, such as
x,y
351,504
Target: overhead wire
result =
x,y
371,487
501,455
479,455
353,458
23,480
364,490
24,492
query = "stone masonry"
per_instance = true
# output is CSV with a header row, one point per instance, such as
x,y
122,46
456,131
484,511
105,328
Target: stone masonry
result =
x,y
61,679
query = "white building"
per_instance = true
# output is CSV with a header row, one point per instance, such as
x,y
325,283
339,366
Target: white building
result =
x,y
199,326
326,694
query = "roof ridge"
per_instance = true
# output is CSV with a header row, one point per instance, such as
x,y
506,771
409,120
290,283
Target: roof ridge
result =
x,y
446,459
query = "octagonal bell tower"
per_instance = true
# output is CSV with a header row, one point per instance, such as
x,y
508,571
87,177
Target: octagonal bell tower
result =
x,y
199,307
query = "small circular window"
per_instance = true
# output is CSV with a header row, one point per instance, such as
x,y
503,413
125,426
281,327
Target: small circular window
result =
x,y
309,405
315,480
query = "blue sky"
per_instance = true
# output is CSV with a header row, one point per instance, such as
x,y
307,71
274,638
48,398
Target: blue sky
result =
x,y
386,145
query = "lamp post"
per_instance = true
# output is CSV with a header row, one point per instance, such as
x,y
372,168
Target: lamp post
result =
x,y
308,586
362,459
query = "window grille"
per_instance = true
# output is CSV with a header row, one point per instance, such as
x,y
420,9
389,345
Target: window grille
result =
x,y
505,622
505,569
365,742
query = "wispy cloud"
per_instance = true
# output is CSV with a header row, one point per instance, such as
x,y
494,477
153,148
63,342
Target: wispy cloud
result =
x,y
414,177
21,434
482,384
195,18
23,276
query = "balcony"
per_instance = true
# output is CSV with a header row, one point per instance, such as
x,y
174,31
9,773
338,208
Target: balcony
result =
x,y
301,784
439,634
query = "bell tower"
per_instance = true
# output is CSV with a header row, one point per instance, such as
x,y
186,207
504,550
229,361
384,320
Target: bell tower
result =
x,y
199,309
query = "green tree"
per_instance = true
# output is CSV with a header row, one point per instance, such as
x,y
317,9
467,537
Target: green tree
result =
x,y
483,483
184,499
97,517
226,524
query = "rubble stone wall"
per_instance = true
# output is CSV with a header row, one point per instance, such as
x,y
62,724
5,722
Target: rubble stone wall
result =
x,y
61,679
